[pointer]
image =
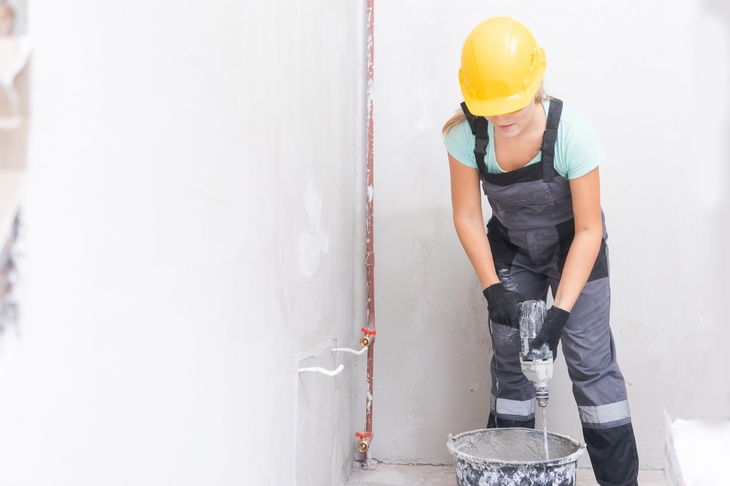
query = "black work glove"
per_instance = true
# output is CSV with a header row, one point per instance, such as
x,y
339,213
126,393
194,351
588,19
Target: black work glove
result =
x,y
504,305
552,328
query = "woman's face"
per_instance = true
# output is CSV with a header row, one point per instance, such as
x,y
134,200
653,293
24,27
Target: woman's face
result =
x,y
512,124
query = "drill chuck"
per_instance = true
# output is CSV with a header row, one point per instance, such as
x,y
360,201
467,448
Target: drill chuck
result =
x,y
541,395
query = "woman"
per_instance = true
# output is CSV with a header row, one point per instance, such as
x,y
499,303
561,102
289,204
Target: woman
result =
x,y
537,161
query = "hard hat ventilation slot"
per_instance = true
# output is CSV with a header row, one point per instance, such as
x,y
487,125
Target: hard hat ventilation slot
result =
x,y
532,59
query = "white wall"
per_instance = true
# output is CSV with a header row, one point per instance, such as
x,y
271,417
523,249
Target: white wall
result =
x,y
193,235
653,78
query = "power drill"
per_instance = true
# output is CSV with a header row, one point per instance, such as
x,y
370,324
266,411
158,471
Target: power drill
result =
x,y
537,364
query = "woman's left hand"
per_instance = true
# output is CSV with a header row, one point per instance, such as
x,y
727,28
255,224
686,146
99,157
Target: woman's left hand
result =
x,y
552,329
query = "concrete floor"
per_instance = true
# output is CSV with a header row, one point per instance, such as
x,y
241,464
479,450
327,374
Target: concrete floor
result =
x,y
406,475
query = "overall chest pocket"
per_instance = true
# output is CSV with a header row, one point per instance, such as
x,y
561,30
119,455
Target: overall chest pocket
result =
x,y
526,203
525,194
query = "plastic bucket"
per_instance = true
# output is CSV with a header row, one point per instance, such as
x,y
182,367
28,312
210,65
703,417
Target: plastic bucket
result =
x,y
514,457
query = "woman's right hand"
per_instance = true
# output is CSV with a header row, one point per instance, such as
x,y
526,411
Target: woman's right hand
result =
x,y
504,305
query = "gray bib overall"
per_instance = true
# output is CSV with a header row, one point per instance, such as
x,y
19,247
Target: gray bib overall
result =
x,y
530,233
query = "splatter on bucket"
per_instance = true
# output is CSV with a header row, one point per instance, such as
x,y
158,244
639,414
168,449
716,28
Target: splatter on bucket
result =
x,y
514,457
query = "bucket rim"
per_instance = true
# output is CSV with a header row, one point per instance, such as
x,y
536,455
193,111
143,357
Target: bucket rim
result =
x,y
573,457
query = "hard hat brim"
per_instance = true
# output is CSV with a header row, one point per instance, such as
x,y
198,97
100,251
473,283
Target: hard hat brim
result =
x,y
503,105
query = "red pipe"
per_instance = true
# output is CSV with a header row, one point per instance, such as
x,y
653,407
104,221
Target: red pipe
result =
x,y
369,252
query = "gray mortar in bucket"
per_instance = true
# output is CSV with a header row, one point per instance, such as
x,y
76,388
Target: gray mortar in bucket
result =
x,y
514,457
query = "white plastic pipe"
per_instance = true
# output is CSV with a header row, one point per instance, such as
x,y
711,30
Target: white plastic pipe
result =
x,y
348,350
317,369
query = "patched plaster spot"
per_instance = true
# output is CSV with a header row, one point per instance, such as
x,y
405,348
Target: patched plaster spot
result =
x,y
315,243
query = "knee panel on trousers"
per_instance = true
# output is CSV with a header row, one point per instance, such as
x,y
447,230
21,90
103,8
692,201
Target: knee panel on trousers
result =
x,y
613,455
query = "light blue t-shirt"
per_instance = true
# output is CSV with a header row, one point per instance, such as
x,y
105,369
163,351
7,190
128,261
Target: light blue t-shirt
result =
x,y
577,149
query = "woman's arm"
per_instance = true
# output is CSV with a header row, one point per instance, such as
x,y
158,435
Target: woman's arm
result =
x,y
466,203
586,193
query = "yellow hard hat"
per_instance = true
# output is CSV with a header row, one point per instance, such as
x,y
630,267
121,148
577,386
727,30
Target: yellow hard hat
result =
x,y
501,67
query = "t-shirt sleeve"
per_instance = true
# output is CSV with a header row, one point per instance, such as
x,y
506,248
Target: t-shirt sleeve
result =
x,y
459,142
582,151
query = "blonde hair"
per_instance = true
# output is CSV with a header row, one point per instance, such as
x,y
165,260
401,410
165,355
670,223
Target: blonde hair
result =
x,y
459,115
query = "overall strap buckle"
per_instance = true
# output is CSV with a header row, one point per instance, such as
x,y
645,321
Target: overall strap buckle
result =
x,y
480,129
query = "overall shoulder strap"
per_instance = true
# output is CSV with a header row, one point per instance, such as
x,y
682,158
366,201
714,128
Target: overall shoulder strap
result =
x,y
479,127
549,138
